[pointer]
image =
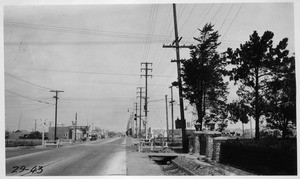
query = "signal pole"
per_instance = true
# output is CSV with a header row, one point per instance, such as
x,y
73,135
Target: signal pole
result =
x,y
140,92
56,98
146,69
166,98
172,112
177,47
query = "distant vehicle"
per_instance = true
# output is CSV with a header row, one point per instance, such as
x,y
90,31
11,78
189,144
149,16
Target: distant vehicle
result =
x,y
93,137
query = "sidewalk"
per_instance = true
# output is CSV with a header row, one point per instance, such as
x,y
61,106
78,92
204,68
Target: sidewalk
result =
x,y
138,163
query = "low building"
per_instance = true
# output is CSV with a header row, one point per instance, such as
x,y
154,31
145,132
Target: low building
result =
x,y
61,133
18,134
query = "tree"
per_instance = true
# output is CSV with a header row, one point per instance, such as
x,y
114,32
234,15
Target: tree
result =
x,y
251,69
203,73
239,111
281,90
34,135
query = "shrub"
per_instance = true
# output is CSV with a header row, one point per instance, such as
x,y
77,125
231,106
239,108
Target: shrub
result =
x,y
270,156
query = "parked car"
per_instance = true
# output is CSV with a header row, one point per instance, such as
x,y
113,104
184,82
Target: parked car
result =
x,y
93,137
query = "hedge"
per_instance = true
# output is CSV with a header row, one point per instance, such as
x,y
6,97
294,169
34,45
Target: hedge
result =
x,y
265,156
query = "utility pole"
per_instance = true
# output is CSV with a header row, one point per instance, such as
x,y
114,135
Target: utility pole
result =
x,y
19,121
75,125
135,118
172,112
146,69
34,125
140,92
56,98
166,97
177,47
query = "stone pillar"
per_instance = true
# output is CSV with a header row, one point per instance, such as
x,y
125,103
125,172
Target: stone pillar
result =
x,y
191,144
209,146
217,147
197,144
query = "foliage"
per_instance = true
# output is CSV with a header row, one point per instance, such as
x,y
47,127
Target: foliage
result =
x,y
252,68
34,135
268,156
281,90
22,142
239,111
203,73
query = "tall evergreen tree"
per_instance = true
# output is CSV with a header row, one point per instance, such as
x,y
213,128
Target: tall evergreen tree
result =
x,y
203,73
258,66
281,89
250,61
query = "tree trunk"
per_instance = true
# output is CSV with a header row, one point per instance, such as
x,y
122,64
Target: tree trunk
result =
x,y
256,105
243,130
199,112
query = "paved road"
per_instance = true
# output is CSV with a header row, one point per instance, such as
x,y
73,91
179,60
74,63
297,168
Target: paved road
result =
x,y
92,158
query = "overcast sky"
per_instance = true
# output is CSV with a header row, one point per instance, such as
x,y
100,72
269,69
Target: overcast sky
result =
x,y
94,53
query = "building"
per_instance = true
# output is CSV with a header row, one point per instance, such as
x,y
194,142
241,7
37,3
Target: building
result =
x,y
68,132
17,134
61,132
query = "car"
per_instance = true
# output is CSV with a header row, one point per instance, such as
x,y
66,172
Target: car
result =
x,y
93,137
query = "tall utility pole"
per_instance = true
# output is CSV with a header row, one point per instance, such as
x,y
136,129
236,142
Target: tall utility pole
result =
x,y
177,47
34,125
135,117
172,112
75,125
56,98
167,122
146,69
20,121
140,92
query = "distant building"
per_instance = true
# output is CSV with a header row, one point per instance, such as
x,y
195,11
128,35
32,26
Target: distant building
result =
x,y
61,132
17,134
68,132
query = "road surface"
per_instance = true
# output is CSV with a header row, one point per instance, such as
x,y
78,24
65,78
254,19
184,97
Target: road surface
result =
x,y
90,158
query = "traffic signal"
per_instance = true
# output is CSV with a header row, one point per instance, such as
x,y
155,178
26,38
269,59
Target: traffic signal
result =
x,y
135,117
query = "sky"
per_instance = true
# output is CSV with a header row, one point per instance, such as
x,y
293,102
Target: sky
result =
x,y
93,53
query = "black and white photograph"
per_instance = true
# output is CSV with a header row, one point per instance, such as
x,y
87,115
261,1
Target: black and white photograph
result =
x,y
149,88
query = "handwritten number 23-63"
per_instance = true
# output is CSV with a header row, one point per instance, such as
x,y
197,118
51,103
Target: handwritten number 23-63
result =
x,y
35,169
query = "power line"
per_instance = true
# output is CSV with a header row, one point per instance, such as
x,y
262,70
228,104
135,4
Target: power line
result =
x,y
201,21
27,97
187,18
93,73
78,30
232,21
216,12
30,110
226,16
53,43
33,84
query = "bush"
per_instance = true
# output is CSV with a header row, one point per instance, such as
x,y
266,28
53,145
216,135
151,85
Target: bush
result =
x,y
269,156
22,142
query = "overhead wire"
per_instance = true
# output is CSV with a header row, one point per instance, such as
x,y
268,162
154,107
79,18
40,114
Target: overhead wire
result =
x,y
232,21
79,31
226,17
93,73
30,110
26,97
196,28
25,81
